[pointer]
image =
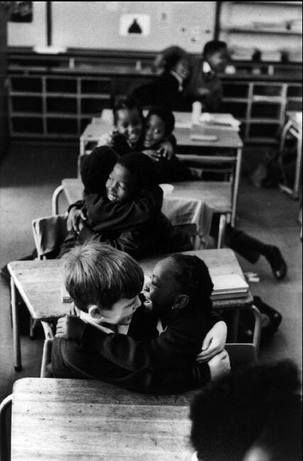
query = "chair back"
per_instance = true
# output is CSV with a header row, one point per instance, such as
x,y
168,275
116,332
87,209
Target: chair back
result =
x,y
49,232
241,354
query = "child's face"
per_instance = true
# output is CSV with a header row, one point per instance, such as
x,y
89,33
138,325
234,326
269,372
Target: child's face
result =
x,y
182,68
119,186
130,124
121,312
219,60
154,131
163,287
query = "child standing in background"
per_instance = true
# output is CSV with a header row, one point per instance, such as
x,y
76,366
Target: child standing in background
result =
x,y
105,283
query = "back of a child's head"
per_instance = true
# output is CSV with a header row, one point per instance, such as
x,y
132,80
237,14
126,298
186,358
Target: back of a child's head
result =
x,y
96,168
98,274
169,58
165,115
126,103
141,170
230,415
192,276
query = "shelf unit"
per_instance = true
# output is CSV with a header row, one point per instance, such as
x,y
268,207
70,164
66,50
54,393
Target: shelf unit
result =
x,y
261,106
55,106
280,27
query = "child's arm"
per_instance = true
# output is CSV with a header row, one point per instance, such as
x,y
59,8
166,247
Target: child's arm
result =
x,y
102,214
214,342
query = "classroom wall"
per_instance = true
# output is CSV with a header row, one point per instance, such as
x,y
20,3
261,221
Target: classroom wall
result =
x,y
96,25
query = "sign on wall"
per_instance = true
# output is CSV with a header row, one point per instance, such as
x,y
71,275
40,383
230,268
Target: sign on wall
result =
x,y
134,24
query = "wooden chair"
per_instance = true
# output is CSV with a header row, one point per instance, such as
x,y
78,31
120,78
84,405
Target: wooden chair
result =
x,y
49,232
241,354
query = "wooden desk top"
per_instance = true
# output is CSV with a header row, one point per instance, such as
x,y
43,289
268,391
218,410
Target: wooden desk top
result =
x,y
226,138
216,195
63,419
40,282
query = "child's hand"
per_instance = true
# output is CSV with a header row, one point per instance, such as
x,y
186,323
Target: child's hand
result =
x,y
106,139
166,150
219,365
70,327
153,154
74,218
213,342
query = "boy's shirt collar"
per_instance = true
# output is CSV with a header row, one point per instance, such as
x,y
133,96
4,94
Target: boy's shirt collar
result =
x,y
178,78
207,70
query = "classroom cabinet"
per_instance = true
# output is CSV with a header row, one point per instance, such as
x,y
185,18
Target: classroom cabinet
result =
x,y
261,106
61,105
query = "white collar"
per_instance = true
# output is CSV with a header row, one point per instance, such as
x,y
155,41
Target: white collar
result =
x,y
178,78
206,68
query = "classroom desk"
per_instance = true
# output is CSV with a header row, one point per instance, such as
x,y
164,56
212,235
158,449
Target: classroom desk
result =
x,y
40,285
226,139
293,126
66,419
206,196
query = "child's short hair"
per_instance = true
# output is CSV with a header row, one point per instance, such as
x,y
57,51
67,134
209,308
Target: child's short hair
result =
x,y
126,103
213,46
166,115
99,274
96,168
192,275
142,170
229,415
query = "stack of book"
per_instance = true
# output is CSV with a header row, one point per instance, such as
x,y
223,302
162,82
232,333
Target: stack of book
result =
x,y
229,286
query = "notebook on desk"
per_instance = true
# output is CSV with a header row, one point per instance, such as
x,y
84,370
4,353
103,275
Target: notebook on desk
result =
x,y
229,286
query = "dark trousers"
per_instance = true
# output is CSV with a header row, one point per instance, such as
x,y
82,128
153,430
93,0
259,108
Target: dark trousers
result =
x,y
248,247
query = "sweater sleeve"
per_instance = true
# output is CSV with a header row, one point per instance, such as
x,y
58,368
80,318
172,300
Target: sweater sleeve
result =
x,y
103,214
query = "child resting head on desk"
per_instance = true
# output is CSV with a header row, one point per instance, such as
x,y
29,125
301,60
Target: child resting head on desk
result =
x,y
124,211
105,284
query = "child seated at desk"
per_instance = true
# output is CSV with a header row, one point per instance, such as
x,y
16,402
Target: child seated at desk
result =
x,y
125,212
152,136
104,284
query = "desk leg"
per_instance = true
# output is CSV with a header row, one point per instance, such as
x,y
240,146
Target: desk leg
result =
x,y
298,166
236,187
222,225
235,326
16,335
257,328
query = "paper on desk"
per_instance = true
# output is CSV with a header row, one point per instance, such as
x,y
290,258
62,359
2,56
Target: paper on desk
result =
x,y
224,120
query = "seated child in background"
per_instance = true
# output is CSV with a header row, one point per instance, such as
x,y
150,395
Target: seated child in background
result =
x,y
168,89
251,415
126,213
105,284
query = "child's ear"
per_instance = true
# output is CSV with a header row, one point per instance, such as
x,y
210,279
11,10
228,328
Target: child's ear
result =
x,y
180,301
95,313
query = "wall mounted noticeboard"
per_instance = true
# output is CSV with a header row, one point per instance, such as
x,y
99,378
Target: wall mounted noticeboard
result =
x,y
98,25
